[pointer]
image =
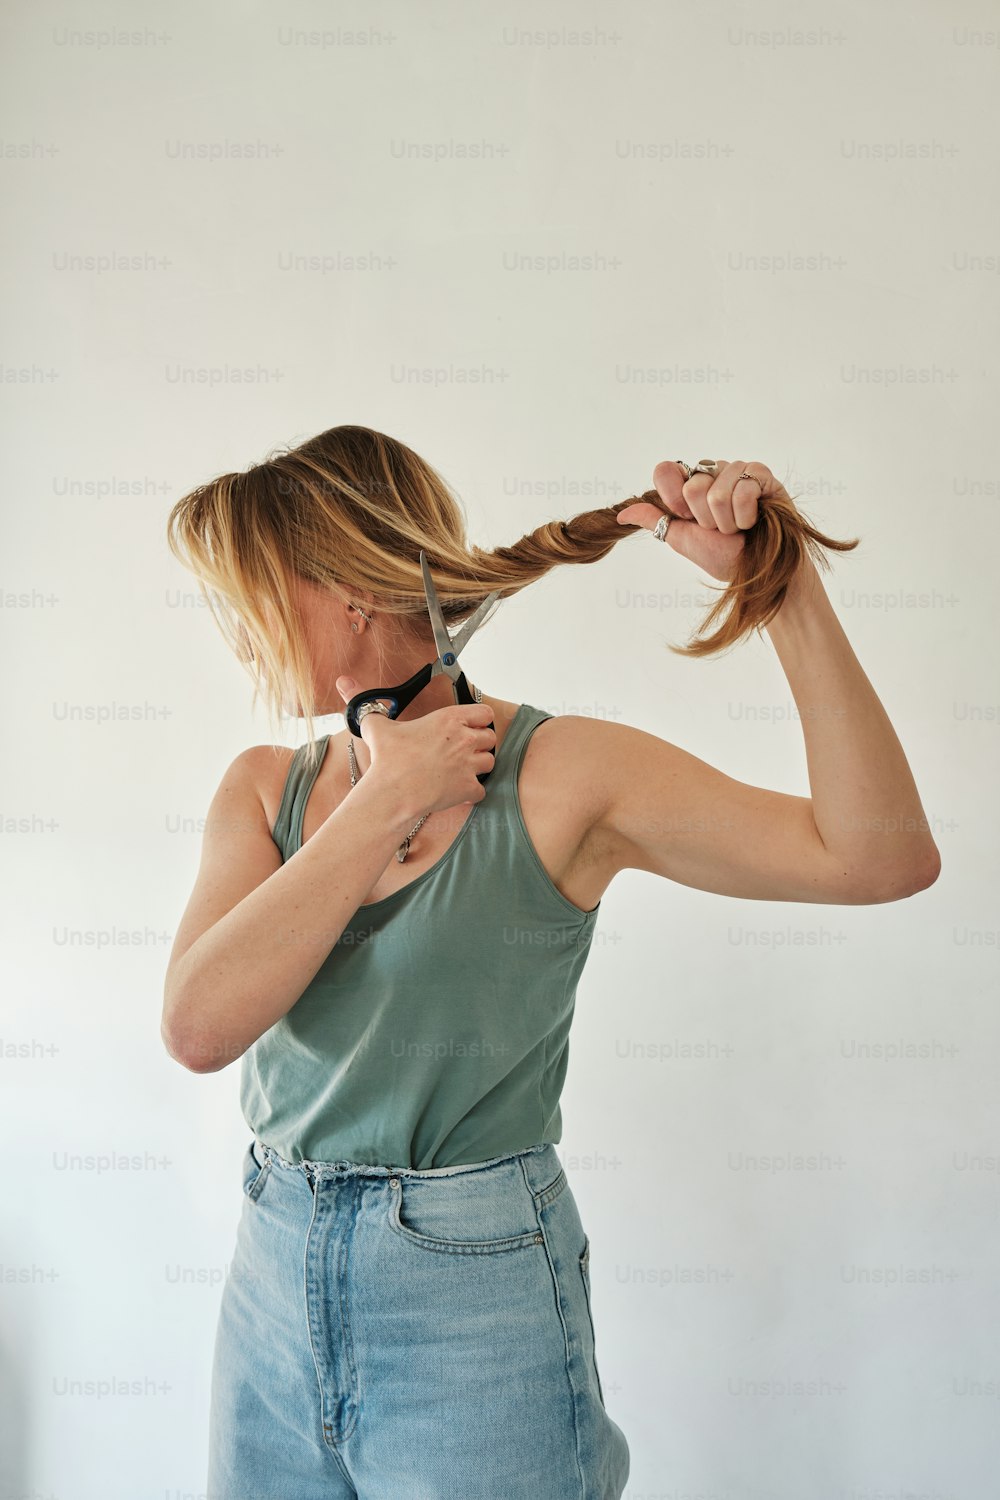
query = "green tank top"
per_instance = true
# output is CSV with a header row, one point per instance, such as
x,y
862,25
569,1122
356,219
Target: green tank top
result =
x,y
436,1032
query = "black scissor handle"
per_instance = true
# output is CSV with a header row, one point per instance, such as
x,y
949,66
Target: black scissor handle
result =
x,y
399,697
465,696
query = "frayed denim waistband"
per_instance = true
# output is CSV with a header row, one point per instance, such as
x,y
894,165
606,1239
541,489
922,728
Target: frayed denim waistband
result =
x,y
366,1169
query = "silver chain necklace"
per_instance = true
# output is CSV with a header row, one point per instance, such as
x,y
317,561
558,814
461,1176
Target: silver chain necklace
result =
x,y
404,847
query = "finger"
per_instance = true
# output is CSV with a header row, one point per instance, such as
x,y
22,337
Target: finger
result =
x,y
476,716
641,514
695,491
668,480
646,516
747,493
371,724
719,497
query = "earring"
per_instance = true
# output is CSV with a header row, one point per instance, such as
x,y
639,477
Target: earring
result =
x,y
354,626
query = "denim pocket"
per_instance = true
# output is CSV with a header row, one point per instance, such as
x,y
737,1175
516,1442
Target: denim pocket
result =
x,y
448,1217
585,1273
254,1171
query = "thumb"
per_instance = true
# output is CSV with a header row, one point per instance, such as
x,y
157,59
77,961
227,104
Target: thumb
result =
x,y
645,515
640,514
347,687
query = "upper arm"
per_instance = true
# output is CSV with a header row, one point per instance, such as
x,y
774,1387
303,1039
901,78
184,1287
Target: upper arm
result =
x,y
237,855
661,809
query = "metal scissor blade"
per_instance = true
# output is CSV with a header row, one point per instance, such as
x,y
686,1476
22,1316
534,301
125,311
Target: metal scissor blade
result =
x,y
442,639
445,645
472,624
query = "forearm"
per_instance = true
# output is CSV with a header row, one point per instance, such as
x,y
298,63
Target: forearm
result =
x,y
864,799
250,967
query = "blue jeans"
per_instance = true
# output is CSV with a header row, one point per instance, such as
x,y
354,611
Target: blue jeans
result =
x,y
388,1334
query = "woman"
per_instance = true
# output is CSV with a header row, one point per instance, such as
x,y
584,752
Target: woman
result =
x,y
407,1312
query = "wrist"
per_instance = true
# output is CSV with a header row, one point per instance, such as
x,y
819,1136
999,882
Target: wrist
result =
x,y
388,802
802,592
804,583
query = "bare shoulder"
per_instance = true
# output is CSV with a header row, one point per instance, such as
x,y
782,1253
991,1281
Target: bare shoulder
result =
x,y
578,753
615,772
248,772
593,751
569,764
597,765
266,769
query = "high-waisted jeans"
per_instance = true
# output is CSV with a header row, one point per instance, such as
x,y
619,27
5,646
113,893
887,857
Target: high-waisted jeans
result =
x,y
391,1334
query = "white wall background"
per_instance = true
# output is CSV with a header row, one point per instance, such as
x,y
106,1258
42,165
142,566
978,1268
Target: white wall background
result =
x,y
162,168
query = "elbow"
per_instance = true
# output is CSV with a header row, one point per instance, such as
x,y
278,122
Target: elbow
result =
x,y
931,869
197,1057
195,1052
926,872
183,1052
907,881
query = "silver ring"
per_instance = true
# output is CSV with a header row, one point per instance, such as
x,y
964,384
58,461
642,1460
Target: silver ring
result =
x,y
662,527
706,466
372,707
686,467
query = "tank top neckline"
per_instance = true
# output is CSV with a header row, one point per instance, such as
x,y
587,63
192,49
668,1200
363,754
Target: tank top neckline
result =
x,y
404,890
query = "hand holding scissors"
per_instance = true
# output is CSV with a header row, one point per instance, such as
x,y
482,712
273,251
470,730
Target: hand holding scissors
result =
x,y
446,661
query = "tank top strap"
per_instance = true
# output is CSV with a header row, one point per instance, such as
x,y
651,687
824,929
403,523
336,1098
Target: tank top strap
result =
x,y
287,833
503,780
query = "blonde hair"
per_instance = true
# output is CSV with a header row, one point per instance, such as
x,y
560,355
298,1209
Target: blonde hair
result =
x,y
353,507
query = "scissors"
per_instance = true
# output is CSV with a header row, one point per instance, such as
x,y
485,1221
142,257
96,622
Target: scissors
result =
x,y
446,661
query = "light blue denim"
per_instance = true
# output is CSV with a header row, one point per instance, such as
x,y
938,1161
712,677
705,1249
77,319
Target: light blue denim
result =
x,y
392,1334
